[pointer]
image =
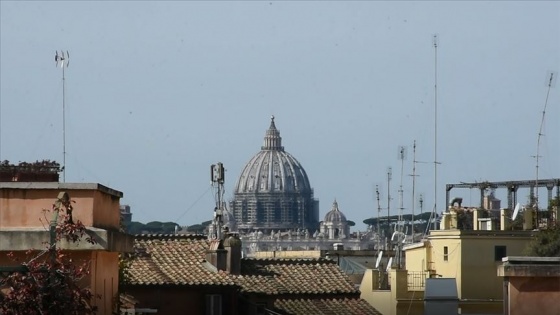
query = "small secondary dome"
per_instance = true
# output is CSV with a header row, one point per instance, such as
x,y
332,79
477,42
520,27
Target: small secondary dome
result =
x,y
335,215
335,225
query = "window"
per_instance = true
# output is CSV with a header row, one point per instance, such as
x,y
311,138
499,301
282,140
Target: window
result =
x,y
445,253
499,252
213,304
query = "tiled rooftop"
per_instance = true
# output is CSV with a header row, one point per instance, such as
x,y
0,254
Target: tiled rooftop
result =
x,y
324,306
294,276
181,260
175,260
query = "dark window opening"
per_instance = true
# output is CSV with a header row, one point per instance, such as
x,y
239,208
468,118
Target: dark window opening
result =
x,y
445,253
499,252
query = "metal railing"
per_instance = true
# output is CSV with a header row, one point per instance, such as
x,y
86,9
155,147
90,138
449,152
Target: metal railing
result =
x,y
416,280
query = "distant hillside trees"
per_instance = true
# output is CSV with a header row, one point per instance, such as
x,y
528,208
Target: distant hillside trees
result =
x,y
157,227
154,227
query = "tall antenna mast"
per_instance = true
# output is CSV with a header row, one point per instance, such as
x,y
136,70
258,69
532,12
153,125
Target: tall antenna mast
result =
x,y
421,202
378,217
402,157
536,199
63,61
217,177
413,186
389,174
433,215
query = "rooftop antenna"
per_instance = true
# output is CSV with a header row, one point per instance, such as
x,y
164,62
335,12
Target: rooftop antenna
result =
x,y
402,157
378,259
389,264
389,174
516,211
413,186
63,60
378,214
435,42
550,81
217,177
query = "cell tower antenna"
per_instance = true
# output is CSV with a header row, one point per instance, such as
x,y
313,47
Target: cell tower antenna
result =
x,y
433,215
550,82
64,61
217,177
402,157
389,174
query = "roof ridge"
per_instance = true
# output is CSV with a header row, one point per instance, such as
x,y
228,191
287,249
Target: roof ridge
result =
x,y
169,236
286,261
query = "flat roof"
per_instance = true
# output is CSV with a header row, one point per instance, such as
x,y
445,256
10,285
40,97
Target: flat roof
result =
x,y
61,186
530,260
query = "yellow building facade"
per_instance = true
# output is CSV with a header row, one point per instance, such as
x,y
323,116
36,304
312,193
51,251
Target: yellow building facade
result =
x,y
469,256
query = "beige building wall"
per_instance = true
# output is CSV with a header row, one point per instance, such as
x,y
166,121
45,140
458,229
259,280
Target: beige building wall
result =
x,y
470,257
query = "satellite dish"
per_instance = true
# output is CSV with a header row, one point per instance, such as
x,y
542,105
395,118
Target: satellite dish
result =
x,y
378,259
389,264
516,211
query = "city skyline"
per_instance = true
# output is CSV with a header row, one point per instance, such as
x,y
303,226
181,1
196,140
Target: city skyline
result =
x,y
157,92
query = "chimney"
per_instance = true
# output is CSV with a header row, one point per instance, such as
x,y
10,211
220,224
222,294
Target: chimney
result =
x,y
217,255
232,245
476,216
505,219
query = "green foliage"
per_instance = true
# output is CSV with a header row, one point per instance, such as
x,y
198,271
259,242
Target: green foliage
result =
x,y
554,202
546,243
350,223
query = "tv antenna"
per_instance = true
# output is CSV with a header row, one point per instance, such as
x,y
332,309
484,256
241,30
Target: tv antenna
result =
x,y
378,259
389,175
402,157
64,61
389,263
550,81
413,186
435,42
378,209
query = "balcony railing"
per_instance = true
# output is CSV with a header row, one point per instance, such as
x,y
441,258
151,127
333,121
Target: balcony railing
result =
x,y
416,280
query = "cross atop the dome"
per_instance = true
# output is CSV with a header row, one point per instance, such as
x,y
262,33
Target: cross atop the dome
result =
x,y
272,125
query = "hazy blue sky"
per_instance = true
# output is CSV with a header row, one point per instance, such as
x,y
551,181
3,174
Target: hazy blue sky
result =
x,y
158,91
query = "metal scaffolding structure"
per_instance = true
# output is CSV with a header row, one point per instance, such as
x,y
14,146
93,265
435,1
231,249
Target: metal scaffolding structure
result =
x,y
511,186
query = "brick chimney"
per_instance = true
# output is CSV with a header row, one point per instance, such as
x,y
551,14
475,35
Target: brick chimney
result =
x,y
232,245
217,255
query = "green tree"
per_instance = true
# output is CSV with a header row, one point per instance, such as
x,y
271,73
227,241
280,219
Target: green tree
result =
x,y
546,243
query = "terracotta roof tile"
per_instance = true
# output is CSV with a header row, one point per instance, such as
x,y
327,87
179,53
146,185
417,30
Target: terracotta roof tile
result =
x,y
173,260
325,306
294,276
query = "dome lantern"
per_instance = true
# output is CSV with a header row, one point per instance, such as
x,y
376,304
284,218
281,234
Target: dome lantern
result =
x,y
272,139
